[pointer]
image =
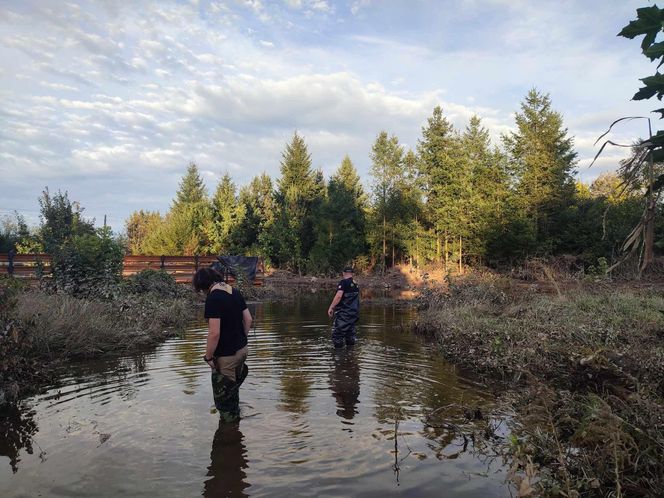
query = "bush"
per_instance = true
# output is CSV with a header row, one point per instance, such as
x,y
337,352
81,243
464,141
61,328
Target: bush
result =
x,y
158,282
9,289
89,264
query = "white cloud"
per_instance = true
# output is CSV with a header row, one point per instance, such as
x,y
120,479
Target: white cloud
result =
x,y
99,96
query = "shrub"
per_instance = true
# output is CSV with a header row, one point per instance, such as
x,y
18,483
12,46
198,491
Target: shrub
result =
x,y
89,264
158,282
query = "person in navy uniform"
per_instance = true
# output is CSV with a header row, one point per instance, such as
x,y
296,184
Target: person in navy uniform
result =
x,y
345,308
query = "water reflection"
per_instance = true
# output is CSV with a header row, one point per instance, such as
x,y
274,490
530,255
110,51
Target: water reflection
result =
x,y
317,421
17,428
345,381
228,461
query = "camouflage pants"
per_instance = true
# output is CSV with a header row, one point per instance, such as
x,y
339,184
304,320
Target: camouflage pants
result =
x,y
226,393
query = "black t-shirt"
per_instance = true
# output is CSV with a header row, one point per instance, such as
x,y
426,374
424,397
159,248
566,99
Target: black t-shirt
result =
x,y
351,298
228,308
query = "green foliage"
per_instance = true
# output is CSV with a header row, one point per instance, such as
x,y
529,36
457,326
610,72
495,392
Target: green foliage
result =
x,y
9,289
340,222
599,271
260,207
444,179
88,265
300,192
157,282
192,189
62,220
185,230
542,162
138,227
389,180
13,232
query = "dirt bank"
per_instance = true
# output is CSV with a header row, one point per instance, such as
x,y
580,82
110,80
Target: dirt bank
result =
x,y
586,372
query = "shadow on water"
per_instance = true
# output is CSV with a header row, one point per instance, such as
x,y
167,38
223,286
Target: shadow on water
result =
x,y
387,416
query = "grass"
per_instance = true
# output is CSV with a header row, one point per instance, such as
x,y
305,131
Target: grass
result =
x,y
48,328
588,368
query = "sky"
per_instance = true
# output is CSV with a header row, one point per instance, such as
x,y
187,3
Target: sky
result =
x,y
111,100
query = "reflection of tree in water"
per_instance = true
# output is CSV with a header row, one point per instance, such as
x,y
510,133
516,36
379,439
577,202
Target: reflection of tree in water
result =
x,y
294,359
410,386
17,429
190,352
345,382
118,371
228,461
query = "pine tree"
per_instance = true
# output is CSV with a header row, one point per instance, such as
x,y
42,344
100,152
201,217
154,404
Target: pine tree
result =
x,y
444,180
542,162
192,189
256,206
227,216
185,228
387,170
488,187
299,190
341,224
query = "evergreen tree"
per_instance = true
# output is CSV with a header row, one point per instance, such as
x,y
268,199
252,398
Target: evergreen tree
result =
x,y
299,190
186,228
192,189
227,216
258,199
488,187
340,226
542,162
444,180
387,171
138,226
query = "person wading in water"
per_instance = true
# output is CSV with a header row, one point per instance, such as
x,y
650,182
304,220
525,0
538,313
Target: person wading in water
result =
x,y
345,308
229,322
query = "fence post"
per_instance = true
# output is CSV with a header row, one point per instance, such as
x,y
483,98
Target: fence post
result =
x,y
162,265
10,268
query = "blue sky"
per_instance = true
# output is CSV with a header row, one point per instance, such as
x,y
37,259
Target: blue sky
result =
x,y
111,100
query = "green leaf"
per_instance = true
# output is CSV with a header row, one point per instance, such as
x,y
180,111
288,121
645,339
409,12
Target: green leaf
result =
x,y
648,23
658,155
655,51
658,183
653,85
644,93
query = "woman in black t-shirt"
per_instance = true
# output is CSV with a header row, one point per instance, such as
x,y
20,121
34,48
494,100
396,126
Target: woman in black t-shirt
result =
x,y
229,322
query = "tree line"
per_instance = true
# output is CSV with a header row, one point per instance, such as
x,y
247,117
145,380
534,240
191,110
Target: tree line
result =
x,y
456,199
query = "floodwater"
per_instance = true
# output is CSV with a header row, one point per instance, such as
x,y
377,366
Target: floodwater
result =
x,y
315,422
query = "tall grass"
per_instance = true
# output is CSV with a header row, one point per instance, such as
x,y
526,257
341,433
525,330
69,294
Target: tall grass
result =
x,y
60,326
588,367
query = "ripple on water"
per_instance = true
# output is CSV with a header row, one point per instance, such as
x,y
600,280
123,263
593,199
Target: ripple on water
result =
x,y
315,421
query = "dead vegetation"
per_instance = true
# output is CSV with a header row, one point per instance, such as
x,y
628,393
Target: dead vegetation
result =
x,y
589,366
46,329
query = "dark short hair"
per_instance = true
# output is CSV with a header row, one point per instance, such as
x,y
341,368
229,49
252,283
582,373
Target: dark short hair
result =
x,y
206,278
348,269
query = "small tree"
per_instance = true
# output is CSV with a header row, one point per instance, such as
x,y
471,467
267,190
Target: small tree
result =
x,y
649,23
61,219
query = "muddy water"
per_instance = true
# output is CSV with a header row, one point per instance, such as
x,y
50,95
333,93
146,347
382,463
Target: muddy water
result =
x,y
315,422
